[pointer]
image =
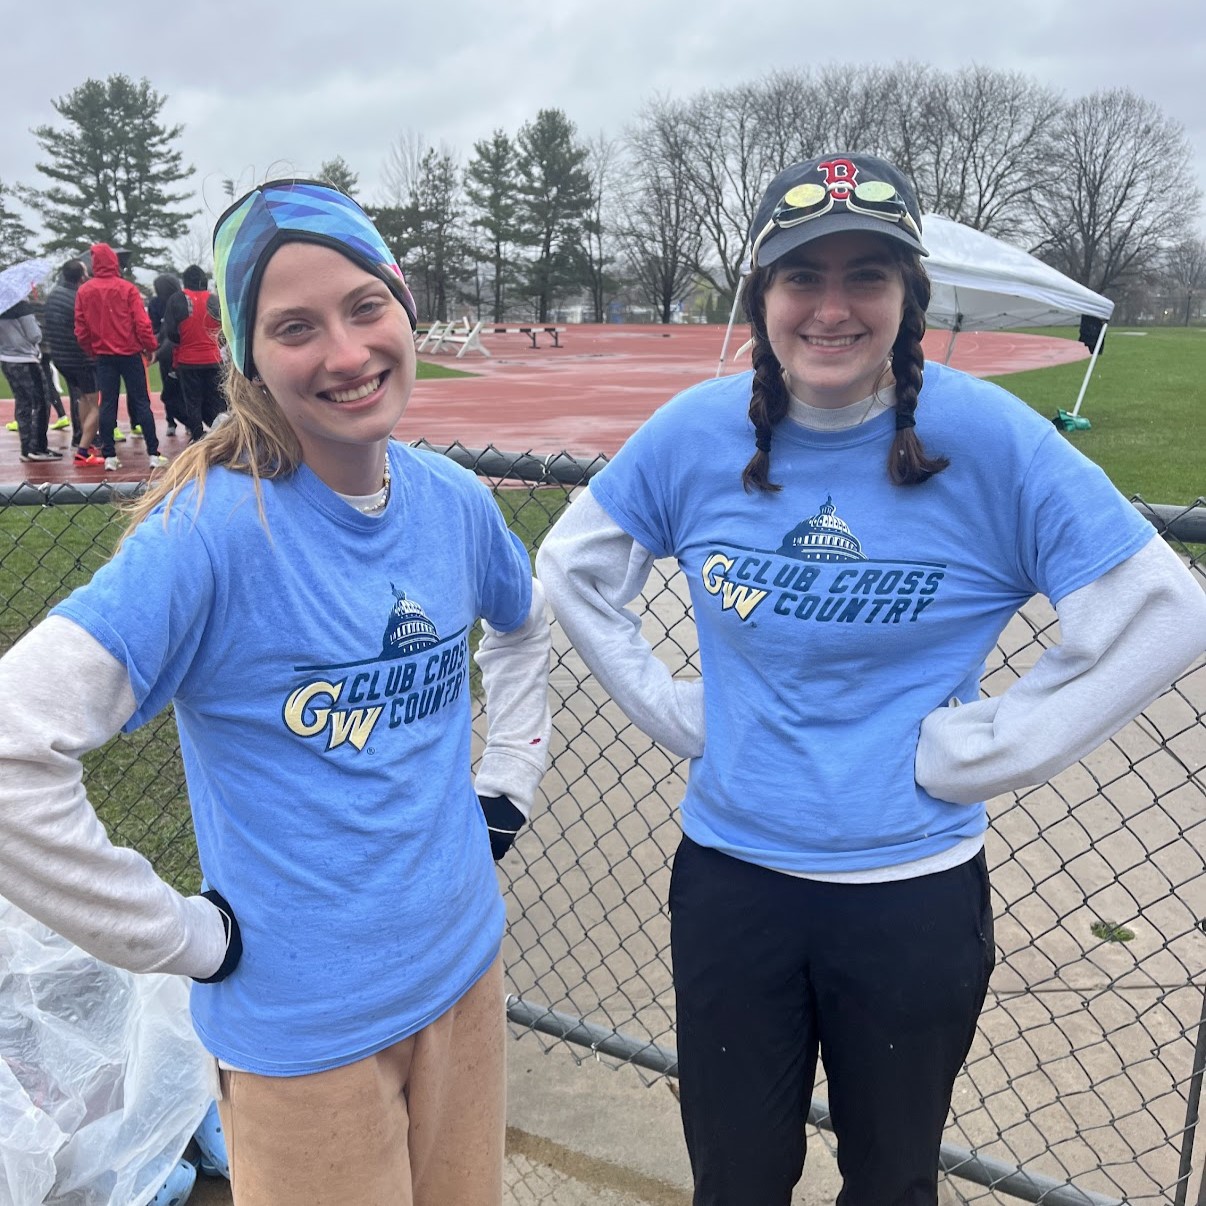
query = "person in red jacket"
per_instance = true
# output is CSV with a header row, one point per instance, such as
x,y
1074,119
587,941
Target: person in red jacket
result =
x,y
192,322
111,324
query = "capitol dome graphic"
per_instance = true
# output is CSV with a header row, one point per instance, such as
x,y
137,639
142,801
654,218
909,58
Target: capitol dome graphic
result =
x,y
408,630
824,537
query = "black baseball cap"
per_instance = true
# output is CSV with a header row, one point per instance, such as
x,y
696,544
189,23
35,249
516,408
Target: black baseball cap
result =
x,y
834,193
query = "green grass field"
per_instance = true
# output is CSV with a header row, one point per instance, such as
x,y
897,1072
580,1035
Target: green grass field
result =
x,y
1145,402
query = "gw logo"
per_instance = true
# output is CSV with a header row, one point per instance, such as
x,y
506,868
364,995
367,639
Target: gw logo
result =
x,y
741,598
310,709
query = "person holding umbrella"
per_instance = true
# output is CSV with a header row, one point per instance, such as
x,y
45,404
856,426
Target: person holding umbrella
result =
x,y
21,357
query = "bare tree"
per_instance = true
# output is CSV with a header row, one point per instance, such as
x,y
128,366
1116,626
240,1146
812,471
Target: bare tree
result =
x,y
1120,191
660,230
1185,270
401,170
598,241
978,143
195,246
718,144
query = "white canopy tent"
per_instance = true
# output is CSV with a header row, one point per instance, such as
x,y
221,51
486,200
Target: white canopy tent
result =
x,y
984,284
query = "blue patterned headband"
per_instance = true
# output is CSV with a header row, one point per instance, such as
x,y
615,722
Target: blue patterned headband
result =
x,y
282,211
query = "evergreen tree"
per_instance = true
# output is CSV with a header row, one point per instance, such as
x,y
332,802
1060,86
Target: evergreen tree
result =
x,y
440,250
337,172
424,234
554,198
393,223
15,236
490,185
112,169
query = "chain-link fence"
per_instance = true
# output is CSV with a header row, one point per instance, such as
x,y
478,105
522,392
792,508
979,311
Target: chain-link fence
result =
x,y
1084,1081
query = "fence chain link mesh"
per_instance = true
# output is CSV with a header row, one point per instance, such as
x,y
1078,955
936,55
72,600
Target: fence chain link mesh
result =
x,y
1085,1077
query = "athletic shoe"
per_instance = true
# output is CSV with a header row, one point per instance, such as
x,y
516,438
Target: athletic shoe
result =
x,y
60,423
157,461
171,429
118,434
112,464
41,456
86,456
136,430
13,426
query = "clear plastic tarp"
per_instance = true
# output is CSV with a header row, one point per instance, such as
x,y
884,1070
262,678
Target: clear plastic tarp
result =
x,y
102,1080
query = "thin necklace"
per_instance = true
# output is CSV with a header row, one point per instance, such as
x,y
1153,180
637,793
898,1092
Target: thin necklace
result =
x,y
380,500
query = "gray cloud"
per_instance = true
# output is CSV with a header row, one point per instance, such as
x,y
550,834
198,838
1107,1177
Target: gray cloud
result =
x,y
259,86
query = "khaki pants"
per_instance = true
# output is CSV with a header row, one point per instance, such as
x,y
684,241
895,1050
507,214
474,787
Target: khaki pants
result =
x,y
418,1124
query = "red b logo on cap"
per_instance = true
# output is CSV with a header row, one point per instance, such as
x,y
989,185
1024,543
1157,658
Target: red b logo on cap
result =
x,y
841,175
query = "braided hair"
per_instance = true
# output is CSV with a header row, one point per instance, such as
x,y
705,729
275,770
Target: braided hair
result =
x,y
768,396
908,463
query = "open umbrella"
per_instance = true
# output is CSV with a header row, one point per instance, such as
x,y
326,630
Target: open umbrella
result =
x,y
17,281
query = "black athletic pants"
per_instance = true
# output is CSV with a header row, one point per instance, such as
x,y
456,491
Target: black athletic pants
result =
x,y
202,400
29,404
111,371
886,980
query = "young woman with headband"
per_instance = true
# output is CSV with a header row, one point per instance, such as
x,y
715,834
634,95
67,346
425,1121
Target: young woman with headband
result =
x,y
856,528
301,588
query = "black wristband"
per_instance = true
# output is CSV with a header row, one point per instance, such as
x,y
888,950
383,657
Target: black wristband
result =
x,y
234,939
503,820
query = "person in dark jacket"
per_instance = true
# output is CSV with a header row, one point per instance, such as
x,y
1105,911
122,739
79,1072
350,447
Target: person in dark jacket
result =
x,y
170,395
54,400
192,323
111,324
75,366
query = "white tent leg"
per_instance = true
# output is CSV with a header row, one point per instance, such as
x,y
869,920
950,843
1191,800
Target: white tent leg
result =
x,y
950,346
724,347
1089,371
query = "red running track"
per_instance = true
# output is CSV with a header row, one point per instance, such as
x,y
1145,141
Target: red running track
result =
x,y
584,397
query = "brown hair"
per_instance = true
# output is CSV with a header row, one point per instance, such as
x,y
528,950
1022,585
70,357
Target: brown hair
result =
x,y
254,437
908,463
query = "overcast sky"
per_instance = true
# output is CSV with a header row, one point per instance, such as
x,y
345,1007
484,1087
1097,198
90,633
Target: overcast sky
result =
x,y
258,90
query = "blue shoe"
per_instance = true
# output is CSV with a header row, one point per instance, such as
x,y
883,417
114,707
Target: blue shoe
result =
x,y
211,1141
178,1187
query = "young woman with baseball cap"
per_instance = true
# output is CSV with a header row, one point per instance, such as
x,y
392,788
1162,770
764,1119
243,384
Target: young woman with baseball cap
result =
x,y
301,588
856,528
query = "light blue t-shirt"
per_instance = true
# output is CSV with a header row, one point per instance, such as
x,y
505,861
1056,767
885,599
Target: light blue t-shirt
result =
x,y
833,616
319,667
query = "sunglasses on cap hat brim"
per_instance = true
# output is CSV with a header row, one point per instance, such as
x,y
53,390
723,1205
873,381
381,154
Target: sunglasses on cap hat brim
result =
x,y
871,199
